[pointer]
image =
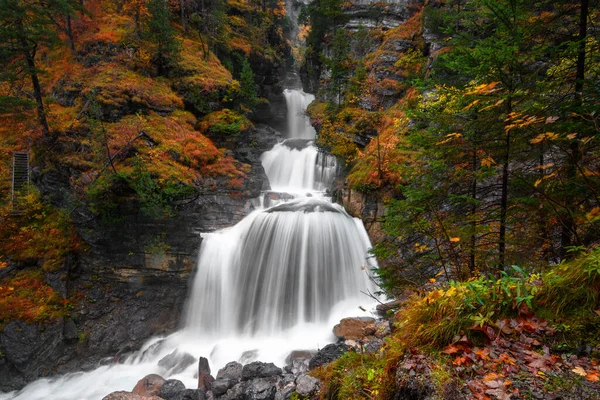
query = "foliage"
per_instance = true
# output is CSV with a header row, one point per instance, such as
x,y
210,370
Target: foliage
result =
x,y
225,122
162,35
39,234
27,297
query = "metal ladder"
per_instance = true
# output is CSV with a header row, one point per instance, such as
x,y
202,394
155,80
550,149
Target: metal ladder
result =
x,y
20,174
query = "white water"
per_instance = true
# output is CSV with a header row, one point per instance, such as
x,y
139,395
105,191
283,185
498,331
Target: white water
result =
x,y
277,281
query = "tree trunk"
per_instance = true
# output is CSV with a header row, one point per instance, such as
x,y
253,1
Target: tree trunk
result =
x,y
568,227
37,90
473,212
70,35
182,6
504,197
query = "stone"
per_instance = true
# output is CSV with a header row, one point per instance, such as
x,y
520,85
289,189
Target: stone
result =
x,y
235,393
383,328
306,385
70,334
355,328
122,395
170,389
190,394
297,362
285,387
176,362
249,356
259,369
327,354
205,379
261,389
149,385
231,371
373,346
221,385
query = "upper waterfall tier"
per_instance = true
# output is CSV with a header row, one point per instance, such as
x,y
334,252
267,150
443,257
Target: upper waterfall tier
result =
x,y
298,123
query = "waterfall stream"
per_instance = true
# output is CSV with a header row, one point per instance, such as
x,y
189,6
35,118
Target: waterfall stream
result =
x,y
277,281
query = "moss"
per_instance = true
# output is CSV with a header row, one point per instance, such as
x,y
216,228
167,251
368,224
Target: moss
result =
x,y
225,123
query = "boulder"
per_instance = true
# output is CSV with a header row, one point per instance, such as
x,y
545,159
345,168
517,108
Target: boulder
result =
x,y
259,369
355,328
383,328
220,386
285,387
306,385
122,395
297,362
170,389
235,393
176,362
373,346
149,385
261,389
190,394
205,379
328,354
232,371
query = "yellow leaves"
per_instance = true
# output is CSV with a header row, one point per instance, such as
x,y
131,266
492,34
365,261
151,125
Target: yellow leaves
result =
x,y
454,239
543,137
450,137
487,161
496,104
473,103
484,89
579,371
420,248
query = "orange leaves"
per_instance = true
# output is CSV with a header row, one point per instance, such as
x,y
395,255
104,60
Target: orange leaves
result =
x,y
484,89
27,297
449,138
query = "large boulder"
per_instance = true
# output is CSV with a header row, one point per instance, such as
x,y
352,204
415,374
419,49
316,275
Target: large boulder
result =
x,y
261,389
355,328
259,369
149,385
298,360
232,371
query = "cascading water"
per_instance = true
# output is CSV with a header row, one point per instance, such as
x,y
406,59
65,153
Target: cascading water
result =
x,y
275,282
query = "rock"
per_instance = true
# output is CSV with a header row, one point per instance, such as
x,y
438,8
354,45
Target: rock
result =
x,y
205,379
383,328
176,362
122,395
70,334
221,385
259,369
231,371
249,356
235,393
149,385
297,361
327,354
190,394
285,387
306,385
261,389
355,328
373,346
170,389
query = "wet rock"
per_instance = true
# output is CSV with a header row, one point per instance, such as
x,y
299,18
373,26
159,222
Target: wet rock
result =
x,y
355,328
285,387
149,385
231,371
261,389
249,356
235,393
327,354
122,395
221,385
259,369
297,362
176,362
306,385
205,379
170,389
70,334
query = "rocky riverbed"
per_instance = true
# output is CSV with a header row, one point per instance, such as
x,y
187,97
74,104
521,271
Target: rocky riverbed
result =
x,y
258,380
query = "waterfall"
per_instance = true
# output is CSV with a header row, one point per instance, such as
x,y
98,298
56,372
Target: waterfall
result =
x,y
277,281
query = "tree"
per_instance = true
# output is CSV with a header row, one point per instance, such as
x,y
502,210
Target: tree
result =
x,y
160,33
25,27
248,95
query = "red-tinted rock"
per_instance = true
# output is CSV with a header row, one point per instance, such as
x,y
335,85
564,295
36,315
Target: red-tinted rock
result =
x,y
149,385
355,328
129,396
